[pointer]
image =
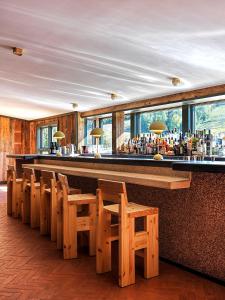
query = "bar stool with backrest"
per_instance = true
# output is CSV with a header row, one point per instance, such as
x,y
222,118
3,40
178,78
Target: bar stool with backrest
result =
x,y
14,193
49,205
72,223
143,243
31,198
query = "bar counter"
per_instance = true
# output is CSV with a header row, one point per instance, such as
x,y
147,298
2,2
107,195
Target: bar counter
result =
x,y
217,166
191,219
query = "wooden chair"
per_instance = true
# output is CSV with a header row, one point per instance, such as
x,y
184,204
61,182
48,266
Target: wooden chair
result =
x,y
49,211
14,193
31,198
70,223
143,243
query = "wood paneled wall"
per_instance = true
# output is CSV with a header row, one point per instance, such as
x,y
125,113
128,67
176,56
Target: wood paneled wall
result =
x,y
12,140
20,136
65,123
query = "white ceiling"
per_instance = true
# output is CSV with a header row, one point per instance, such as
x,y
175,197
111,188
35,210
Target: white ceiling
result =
x,y
79,51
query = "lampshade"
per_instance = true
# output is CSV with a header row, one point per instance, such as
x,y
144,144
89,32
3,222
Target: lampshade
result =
x,y
157,127
59,135
97,132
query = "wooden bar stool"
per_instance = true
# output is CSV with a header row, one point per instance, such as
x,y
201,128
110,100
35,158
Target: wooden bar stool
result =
x,y
72,223
31,198
48,210
145,242
14,193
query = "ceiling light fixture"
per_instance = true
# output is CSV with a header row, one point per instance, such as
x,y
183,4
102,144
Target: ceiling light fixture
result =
x,y
17,51
175,81
113,96
74,106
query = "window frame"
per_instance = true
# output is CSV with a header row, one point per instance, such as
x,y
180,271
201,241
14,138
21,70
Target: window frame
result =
x,y
204,104
39,136
137,118
188,116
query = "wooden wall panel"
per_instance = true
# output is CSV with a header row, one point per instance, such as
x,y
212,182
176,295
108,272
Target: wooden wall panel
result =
x,y
65,123
20,136
11,141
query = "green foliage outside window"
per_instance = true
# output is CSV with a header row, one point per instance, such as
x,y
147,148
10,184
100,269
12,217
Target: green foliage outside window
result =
x,y
211,116
44,137
90,126
127,128
171,117
106,139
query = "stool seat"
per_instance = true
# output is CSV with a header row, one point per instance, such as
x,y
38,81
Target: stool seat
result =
x,y
36,184
133,209
48,191
80,199
73,191
19,180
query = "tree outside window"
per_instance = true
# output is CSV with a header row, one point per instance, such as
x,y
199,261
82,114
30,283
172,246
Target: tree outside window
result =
x,y
211,116
171,117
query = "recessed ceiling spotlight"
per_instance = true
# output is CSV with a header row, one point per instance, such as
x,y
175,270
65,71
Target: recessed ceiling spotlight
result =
x,y
74,106
17,51
176,81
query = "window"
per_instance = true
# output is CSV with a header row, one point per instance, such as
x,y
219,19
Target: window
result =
x,y
45,136
210,116
90,124
127,128
106,139
171,117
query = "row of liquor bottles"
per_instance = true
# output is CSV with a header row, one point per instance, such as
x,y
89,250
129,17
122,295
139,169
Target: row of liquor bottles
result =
x,y
200,142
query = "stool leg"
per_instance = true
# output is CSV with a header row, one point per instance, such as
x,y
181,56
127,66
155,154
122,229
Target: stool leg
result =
x,y
43,214
103,244
126,251
92,230
69,231
9,197
35,209
151,253
59,224
18,199
53,204
25,209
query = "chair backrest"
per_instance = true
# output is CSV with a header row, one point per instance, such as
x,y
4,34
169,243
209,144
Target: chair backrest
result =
x,y
11,173
64,182
112,191
28,174
62,191
11,167
48,179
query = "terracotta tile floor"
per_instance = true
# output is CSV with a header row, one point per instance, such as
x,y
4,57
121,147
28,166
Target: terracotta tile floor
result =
x,y
32,268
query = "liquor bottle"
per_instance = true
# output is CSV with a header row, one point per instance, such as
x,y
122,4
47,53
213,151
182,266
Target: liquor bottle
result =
x,y
53,148
209,143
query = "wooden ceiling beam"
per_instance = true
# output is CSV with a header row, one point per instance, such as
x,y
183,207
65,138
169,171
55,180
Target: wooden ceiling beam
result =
x,y
174,98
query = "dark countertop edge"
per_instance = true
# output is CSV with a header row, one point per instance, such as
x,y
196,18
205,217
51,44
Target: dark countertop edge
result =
x,y
191,166
210,167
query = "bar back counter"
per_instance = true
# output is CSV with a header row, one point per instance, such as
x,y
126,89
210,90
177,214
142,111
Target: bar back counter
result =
x,y
190,197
